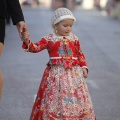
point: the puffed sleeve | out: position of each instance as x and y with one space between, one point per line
80 54
35 47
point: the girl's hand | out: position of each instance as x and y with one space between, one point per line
85 72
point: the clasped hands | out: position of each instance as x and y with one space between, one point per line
23 31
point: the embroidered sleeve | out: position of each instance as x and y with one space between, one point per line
80 54
35 47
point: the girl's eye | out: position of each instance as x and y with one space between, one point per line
67 25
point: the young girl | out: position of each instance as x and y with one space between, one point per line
63 93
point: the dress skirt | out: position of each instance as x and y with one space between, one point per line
63 95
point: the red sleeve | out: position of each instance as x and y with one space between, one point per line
35 47
80 54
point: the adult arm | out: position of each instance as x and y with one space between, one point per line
15 11
17 16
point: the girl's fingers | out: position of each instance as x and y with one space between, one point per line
85 74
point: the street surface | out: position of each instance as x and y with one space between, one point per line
100 41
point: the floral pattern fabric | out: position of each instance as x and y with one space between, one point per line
63 95
63 92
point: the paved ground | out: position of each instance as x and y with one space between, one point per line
22 72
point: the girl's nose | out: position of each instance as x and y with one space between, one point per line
69 28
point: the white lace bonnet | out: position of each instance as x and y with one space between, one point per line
61 14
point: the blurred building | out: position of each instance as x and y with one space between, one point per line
112 7
45 3
88 4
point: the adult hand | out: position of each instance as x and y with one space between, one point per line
1 47
22 27
25 36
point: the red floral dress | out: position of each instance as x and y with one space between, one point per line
63 92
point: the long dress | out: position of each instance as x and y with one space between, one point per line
63 93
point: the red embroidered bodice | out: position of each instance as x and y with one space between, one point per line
63 50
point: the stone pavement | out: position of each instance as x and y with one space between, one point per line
22 72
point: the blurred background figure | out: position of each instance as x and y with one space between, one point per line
113 8
54 4
97 4
79 2
70 4
31 3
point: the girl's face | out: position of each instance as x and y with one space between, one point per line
64 27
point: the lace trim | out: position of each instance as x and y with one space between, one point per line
52 37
